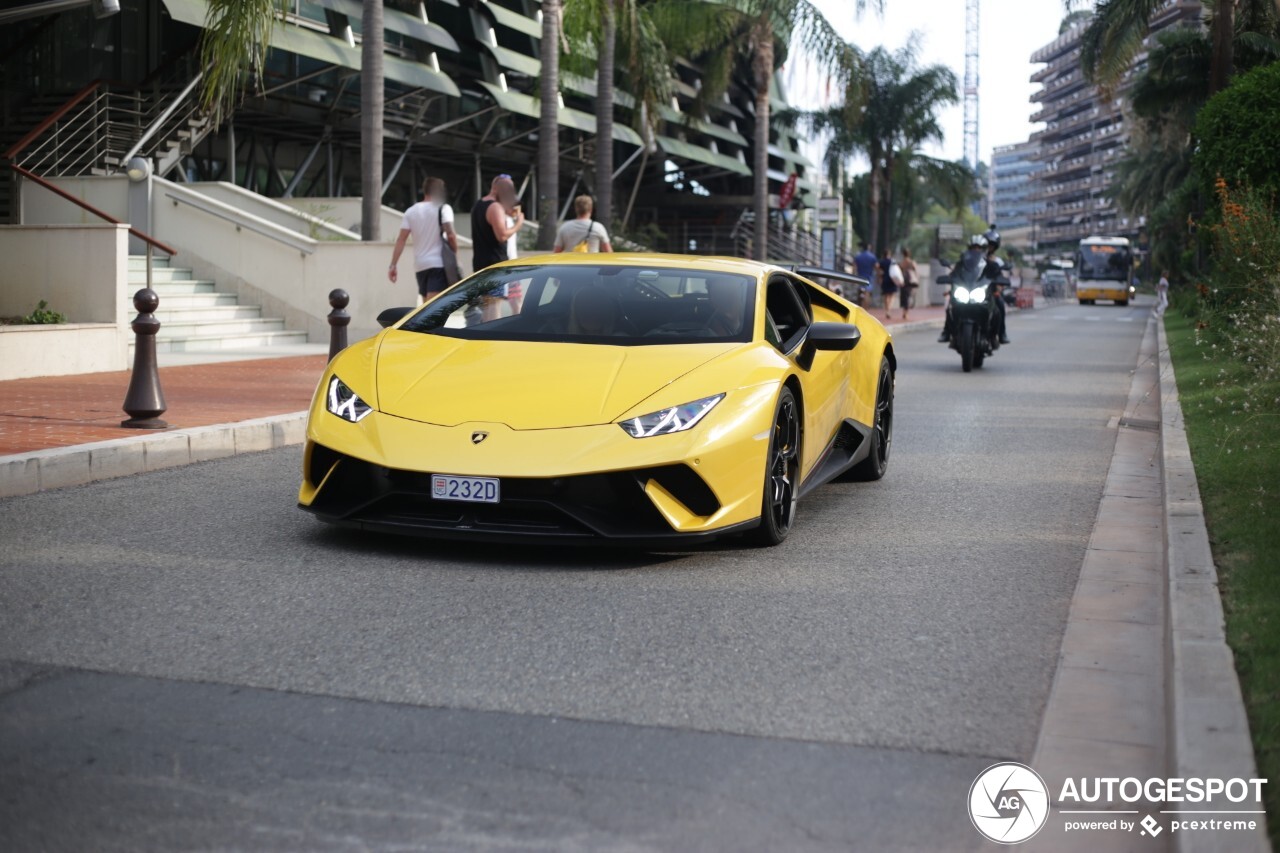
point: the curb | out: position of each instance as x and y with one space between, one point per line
1209 729
41 470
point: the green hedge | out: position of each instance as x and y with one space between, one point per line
1238 132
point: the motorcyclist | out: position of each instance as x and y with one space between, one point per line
975 257
993 238
997 291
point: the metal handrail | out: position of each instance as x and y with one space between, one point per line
239 219
158 123
146 238
17 147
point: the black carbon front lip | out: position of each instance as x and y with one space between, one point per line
590 508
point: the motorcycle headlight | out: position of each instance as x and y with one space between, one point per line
978 294
674 419
961 295
344 403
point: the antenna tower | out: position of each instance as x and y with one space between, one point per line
971 83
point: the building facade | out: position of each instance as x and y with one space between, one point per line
1012 198
1084 137
461 84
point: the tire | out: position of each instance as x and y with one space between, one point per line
781 473
877 461
966 345
1122 302
979 358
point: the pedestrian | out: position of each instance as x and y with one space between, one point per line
489 229
582 233
864 264
888 287
430 222
910 281
515 289
1162 293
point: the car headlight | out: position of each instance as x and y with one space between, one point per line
344 403
961 295
674 419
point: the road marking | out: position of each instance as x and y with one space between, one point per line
1094 319
1124 319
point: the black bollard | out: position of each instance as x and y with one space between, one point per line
144 402
338 320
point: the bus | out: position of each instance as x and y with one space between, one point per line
1104 266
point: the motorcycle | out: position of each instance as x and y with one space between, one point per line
974 331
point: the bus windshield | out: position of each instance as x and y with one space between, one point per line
1103 261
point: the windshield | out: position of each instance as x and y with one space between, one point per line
597 304
1104 262
971 267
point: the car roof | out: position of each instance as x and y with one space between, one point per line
708 263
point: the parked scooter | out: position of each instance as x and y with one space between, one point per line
972 310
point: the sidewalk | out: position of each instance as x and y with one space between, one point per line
62 411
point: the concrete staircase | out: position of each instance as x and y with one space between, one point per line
195 317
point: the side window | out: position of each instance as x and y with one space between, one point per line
549 290
786 313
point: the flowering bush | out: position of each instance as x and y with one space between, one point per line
1237 314
1239 305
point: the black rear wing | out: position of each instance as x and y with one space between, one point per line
819 272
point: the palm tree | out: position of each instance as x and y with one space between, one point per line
372 96
237 36
897 113
1119 28
747 32
648 36
548 211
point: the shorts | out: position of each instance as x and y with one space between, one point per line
431 281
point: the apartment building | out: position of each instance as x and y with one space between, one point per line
1084 136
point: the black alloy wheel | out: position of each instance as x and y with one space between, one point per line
782 473
877 461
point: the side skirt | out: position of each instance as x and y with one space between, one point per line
849 446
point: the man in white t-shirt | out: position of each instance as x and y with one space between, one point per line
430 221
582 229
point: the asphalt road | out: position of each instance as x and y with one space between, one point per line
187 661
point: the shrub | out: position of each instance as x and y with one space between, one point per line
1238 132
43 315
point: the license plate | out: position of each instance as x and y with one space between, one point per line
484 490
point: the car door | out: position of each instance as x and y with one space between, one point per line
825 382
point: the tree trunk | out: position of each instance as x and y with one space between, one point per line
1223 37
549 127
371 105
886 218
873 213
762 72
604 115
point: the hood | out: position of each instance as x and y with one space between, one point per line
525 385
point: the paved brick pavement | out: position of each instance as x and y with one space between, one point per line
59 411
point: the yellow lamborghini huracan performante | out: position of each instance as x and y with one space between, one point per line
657 400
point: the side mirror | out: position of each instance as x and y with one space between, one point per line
391 316
943 279
1002 281
832 337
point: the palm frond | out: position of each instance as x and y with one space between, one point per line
236 38
1114 38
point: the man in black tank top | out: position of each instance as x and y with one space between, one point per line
489 231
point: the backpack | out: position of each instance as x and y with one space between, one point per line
452 272
585 244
